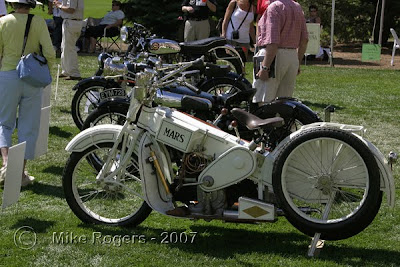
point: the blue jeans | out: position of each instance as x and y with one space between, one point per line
17 94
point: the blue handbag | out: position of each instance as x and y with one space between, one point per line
33 68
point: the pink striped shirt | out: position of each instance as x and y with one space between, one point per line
283 23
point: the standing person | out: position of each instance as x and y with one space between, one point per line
3 9
16 94
72 14
237 26
57 32
197 26
283 33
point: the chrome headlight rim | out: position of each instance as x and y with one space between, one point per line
124 34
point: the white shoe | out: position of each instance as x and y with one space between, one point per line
27 180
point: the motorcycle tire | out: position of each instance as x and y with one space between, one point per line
86 99
98 203
327 181
107 115
223 85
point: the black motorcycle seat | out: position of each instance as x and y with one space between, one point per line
253 122
201 46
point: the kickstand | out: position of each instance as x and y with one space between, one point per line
316 245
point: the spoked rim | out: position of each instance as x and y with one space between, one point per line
223 88
88 101
330 186
110 202
116 118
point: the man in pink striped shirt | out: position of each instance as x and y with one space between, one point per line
283 33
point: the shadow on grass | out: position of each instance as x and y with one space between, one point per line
47 190
56 170
224 243
40 226
54 130
65 111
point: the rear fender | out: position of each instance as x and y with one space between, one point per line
287 108
118 101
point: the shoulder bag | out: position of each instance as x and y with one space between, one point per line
33 68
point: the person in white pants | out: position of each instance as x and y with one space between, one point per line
72 14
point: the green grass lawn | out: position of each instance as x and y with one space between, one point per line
365 97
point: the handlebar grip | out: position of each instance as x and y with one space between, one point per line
193 88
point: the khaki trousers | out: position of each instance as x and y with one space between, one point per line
196 30
71 30
286 68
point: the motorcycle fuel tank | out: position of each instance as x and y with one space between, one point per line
163 46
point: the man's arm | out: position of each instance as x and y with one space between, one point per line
211 6
271 50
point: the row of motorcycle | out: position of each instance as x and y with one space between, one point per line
171 127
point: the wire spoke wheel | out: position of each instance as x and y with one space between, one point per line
327 181
116 200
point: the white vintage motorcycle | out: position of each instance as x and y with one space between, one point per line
325 178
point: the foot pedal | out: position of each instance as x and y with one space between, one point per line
254 209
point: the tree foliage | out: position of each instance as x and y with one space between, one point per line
354 19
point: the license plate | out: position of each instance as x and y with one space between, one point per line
115 92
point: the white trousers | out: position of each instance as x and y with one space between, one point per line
71 30
286 68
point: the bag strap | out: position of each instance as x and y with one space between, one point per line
243 18
28 26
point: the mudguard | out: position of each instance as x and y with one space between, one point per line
287 108
108 83
153 190
98 134
122 102
386 179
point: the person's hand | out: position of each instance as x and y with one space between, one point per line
190 9
108 26
57 4
263 75
223 35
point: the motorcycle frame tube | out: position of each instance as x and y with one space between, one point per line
386 177
230 48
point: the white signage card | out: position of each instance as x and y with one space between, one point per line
43 138
314 38
46 96
12 183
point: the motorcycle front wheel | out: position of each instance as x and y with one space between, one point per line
106 115
111 203
87 98
327 181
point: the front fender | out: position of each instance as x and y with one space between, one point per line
98 134
108 83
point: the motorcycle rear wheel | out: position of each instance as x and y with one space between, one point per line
109 204
327 181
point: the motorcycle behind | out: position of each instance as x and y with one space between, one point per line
325 177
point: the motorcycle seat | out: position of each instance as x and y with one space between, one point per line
201 46
195 103
253 122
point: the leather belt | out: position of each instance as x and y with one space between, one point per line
75 19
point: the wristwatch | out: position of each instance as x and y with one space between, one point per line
265 68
